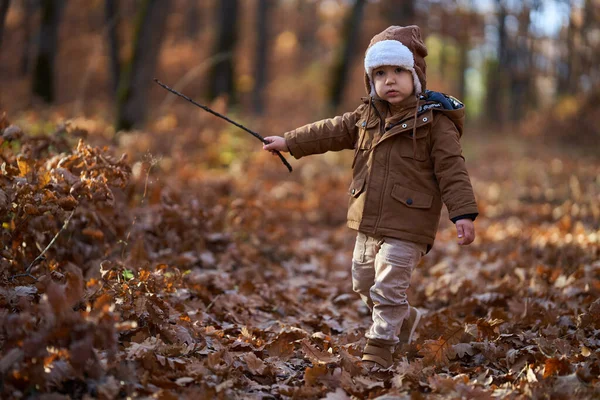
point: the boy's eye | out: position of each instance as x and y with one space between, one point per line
400 69
379 72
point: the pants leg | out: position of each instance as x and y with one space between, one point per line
394 263
363 266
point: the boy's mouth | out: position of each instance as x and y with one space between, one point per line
392 93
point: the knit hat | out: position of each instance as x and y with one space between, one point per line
401 46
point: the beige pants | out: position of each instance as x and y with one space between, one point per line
381 270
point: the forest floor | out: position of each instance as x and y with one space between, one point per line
200 268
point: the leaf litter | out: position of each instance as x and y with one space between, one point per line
228 287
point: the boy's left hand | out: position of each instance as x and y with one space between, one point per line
466 231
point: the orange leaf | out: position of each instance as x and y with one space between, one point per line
558 366
93 233
24 166
440 351
315 355
312 374
282 347
256 366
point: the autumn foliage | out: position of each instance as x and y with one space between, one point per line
169 283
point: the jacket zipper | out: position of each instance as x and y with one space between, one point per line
372 156
382 193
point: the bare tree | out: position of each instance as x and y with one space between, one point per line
3 11
590 32
496 71
43 74
111 17
221 73
29 9
305 29
345 53
137 74
192 19
521 65
565 66
399 12
260 65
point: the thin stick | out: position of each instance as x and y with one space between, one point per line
256 135
41 256
12 278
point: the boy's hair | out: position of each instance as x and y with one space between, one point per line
401 46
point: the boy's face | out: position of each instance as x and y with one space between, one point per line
393 83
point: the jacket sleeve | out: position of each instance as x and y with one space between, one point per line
450 169
333 134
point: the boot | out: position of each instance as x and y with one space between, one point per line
378 352
409 326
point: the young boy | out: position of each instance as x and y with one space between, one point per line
407 161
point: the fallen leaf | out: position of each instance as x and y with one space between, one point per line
316 355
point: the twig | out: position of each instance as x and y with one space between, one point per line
256 135
12 278
41 256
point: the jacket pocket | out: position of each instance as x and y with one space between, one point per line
356 188
365 134
406 145
411 198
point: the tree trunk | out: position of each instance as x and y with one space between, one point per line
192 19
589 55
29 10
346 51
306 28
137 75
3 11
399 12
260 66
495 74
464 44
43 73
520 68
565 69
221 73
111 17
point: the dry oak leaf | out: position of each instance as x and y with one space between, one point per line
315 355
463 348
560 366
282 347
312 374
256 366
440 351
4 201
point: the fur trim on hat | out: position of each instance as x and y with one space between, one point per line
390 52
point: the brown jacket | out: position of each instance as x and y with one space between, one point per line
398 183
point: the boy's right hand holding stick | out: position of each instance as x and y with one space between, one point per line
276 143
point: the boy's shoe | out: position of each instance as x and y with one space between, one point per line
378 352
409 326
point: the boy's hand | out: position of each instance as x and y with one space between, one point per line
275 143
466 231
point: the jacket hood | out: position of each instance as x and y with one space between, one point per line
448 105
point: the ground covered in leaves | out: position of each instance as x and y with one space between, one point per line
150 275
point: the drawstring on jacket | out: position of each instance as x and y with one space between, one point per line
360 139
414 132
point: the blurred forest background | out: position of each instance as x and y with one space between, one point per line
532 62
151 249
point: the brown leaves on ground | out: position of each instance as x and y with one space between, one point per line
172 282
